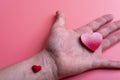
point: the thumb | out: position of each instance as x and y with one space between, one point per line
60 19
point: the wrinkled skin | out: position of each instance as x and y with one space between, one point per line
71 56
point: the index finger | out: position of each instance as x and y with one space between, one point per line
97 23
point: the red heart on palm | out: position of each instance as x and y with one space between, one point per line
91 41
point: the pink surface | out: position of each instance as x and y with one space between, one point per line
25 24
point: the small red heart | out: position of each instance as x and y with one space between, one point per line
91 41
36 68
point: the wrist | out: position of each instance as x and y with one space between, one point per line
23 70
49 68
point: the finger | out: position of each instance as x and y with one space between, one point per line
110 64
108 42
109 28
60 19
96 24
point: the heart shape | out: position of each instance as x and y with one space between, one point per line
36 68
91 40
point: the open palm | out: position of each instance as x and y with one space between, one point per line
71 56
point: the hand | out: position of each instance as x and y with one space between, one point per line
73 58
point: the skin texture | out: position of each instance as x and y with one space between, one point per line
71 56
23 70
64 55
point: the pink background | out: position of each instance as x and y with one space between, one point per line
25 24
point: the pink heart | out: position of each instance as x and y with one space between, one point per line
91 41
